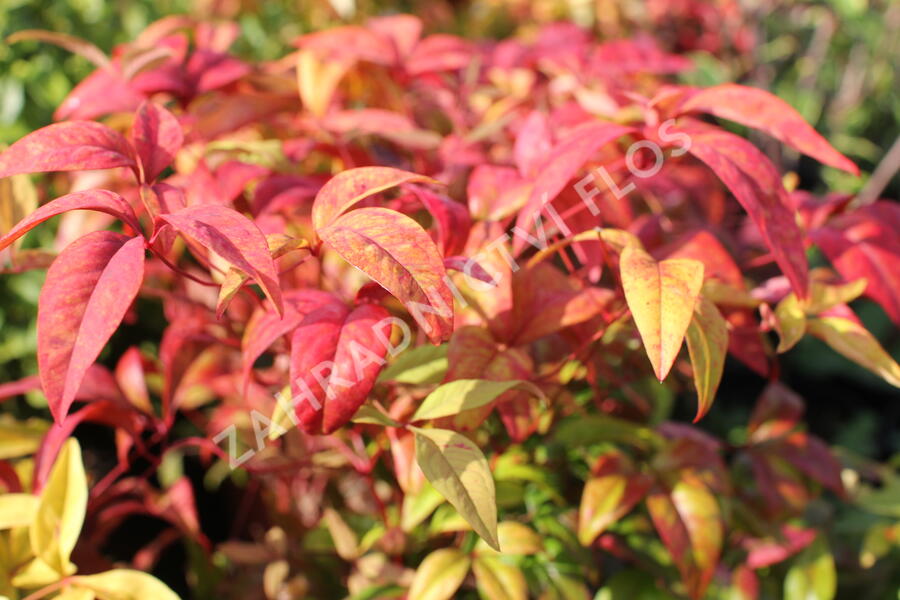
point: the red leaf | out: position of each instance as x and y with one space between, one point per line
761 110
569 155
266 326
451 217
102 92
235 238
397 253
866 244
336 355
68 146
350 187
755 183
89 287
157 137
99 200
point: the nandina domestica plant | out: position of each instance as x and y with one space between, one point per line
425 301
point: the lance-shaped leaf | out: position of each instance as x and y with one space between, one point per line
849 338
67 146
266 325
707 342
569 155
755 183
465 394
866 247
88 290
790 322
235 238
459 471
439 575
661 296
761 110
499 580
60 514
157 137
420 365
813 576
608 495
350 187
124 584
400 256
99 200
336 354
689 523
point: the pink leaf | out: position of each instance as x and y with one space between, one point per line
99 200
157 136
235 238
67 146
89 287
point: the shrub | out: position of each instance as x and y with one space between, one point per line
447 271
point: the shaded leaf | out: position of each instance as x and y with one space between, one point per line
707 342
157 137
235 238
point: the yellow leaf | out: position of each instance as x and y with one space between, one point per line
850 339
459 471
515 538
317 79
466 394
661 296
707 342
18 199
125 584
344 538
36 573
823 296
20 438
497 580
17 510
439 575
76 593
600 502
60 513
790 322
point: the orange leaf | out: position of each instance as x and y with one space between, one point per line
661 296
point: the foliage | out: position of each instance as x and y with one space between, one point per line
424 303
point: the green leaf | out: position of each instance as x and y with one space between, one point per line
60 513
465 394
584 430
813 576
707 342
418 366
369 415
460 472
439 575
416 507
125 584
